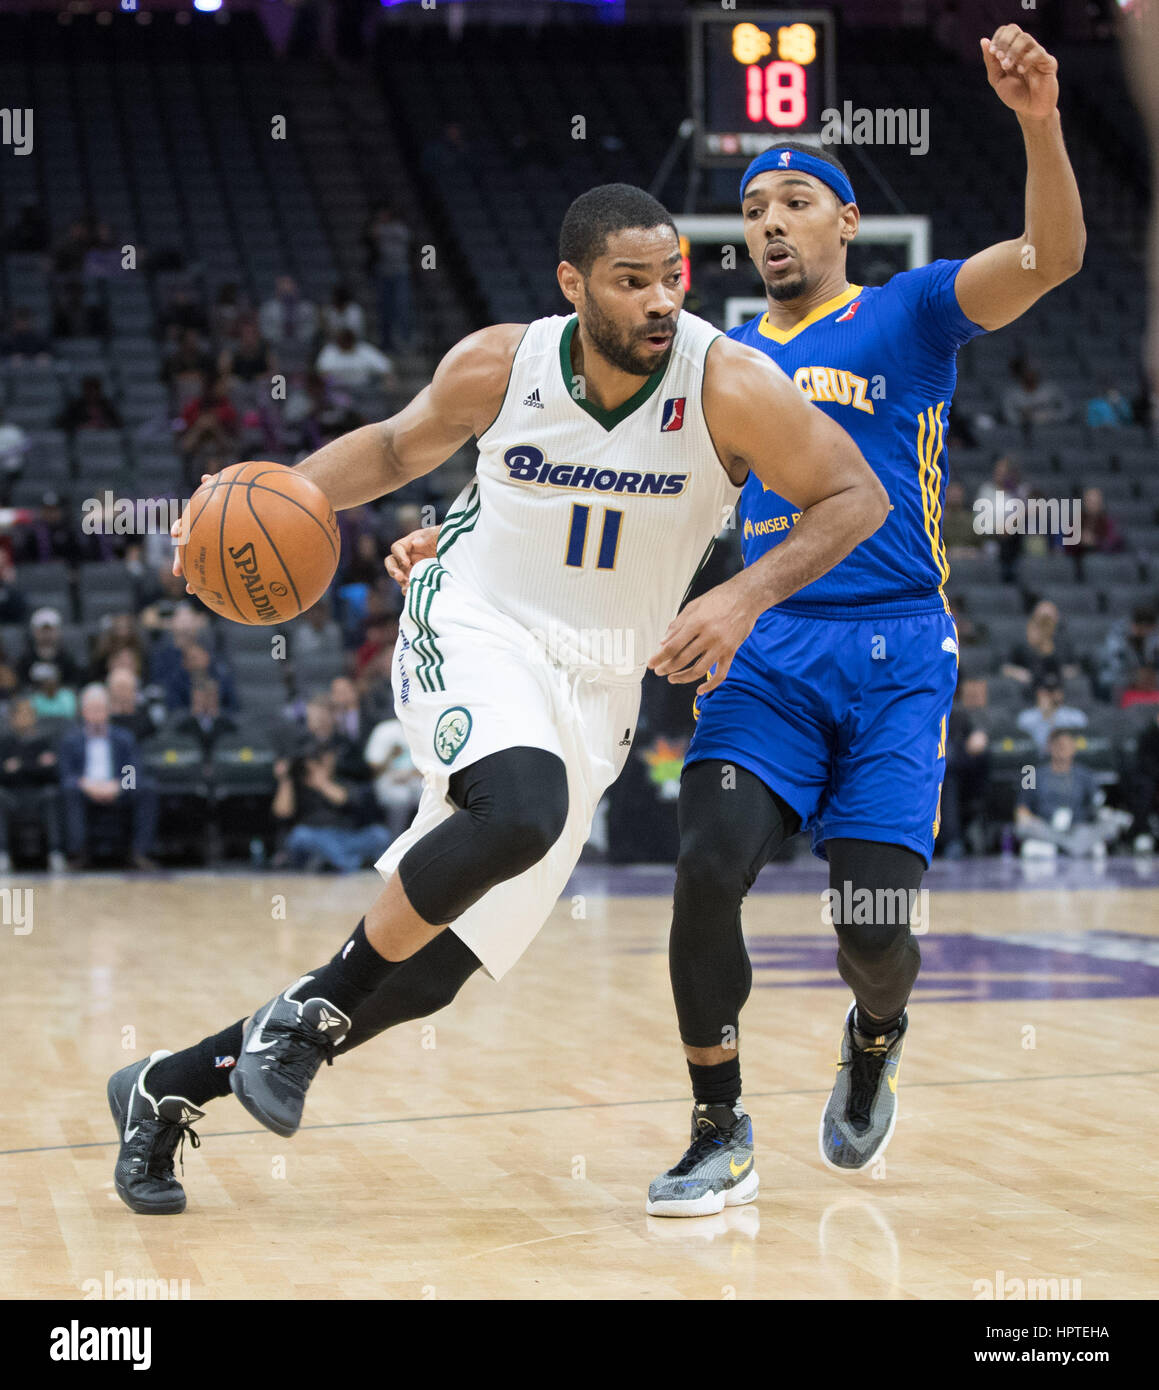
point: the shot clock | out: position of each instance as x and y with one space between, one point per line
758 77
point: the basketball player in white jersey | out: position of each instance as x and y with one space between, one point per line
612 444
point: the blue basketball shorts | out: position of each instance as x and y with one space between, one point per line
842 712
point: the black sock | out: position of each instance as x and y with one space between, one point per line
199 1073
352 976
718 1085
870 1027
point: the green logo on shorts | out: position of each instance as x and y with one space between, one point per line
451 732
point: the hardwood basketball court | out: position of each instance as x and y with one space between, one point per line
504 1148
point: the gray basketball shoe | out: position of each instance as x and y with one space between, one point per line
862 1108
716 1171
283 1046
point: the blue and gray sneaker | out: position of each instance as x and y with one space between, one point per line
283 1046
862 1108
717 1170
150 1132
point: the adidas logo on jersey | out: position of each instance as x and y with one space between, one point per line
533 399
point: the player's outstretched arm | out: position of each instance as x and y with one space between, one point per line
462 399
1000 283
761 422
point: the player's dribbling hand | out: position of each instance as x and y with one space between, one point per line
705 634
175 533
1021 71
407 552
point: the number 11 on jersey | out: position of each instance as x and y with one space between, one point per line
577 537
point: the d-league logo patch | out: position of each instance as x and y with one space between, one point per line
673 417
451 732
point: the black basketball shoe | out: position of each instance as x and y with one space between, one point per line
283 1047
150 1131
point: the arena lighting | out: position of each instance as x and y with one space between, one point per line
207 6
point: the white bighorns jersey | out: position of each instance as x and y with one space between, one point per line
584 525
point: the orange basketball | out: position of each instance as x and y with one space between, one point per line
261 544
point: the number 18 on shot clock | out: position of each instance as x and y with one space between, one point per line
758 77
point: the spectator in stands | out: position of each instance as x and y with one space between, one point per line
1048 712
343 311
375 693
353 365
316 631
205 720
1130 643
117 632
1143 690
381 635
13 604
156 595
127 709
46 643
966 786
1109 408
184 313
211 426
1058 810
51 536
398 784
183 654
103 257
24 343
1142 788
96 760
333 820
958 530
186 365
1005 483
78 312
50 698
387 240
229 306
29 778
1099 533
68 255
1029 400
1044 651
29 233
367 563
289 323
351 719
9 676
318 411
91 410
14 445
248 358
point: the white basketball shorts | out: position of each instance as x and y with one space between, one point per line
469 681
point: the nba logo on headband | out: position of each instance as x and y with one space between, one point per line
786 155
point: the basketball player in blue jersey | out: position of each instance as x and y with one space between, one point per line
832 715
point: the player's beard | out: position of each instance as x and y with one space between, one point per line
781 290
618 347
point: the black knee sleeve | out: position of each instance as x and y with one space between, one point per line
730 824
422 985
512 808
872 891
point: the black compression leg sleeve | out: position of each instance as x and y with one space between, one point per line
878 955
512 808
421 985
730 824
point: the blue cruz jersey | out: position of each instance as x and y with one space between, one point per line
882 362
